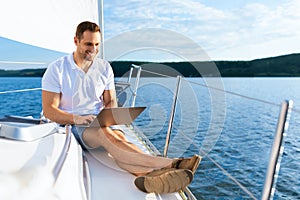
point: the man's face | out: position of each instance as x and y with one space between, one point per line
88 46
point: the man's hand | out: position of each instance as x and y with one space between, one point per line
87 119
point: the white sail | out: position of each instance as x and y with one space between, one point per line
48 24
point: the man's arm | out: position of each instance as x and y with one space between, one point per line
50 103
109 98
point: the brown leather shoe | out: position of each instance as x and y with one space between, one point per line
191 163
164 180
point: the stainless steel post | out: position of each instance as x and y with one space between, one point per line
277 151
136 83
172 116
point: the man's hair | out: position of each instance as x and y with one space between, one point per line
86 26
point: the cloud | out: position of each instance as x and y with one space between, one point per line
248 31
261 31
153 44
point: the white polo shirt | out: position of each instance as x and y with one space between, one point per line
81 93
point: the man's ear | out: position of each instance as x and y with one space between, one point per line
76 40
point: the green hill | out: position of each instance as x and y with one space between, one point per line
280 66
22 73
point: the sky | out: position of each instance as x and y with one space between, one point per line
224 29
176 30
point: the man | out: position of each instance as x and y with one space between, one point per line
77 86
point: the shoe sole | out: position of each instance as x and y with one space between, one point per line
196 164
191 164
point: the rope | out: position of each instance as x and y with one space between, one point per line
192 142
22 62
23 90
220 167
200 150
234 93
225 91
242 96
156 73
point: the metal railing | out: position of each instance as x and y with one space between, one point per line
136 85
171 121
278 143
277 148
277 151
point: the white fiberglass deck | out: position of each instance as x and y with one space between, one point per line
26 169
111 182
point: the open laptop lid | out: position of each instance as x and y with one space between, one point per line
116 116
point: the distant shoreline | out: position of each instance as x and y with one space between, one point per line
280 66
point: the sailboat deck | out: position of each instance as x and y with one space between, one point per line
109 181
26 168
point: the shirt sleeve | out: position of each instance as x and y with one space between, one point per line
110 78
50 80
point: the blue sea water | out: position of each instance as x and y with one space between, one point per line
20 103
232 131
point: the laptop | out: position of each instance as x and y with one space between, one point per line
115 116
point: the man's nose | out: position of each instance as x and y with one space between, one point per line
95 47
